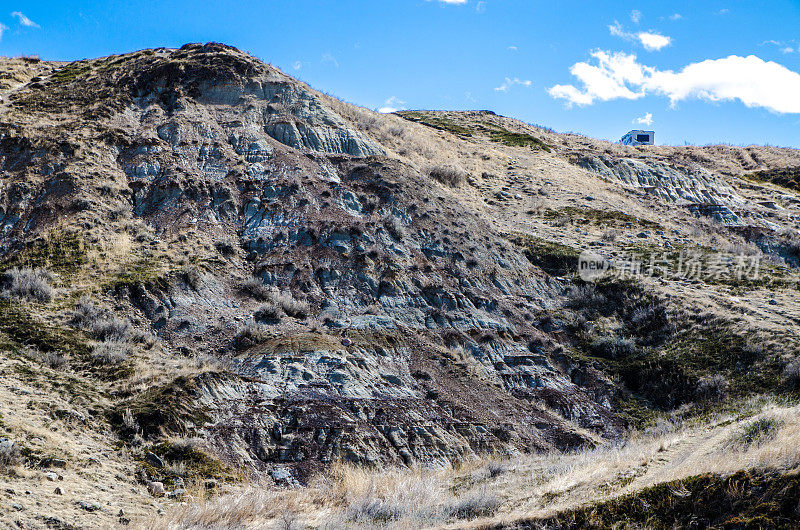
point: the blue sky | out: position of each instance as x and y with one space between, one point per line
705 72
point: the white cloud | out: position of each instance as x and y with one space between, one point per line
616 30
607 80
785 47
675 16
508 83
480 7
647 119
651 40
297 65
636 16
392 104
3 29
751 80
453 1
329 58
25 21
513 48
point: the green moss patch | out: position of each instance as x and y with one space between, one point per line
23 329
515 139
552 257
142 271
72 71
165 410
187 462
786 177
434 121
59 251
610 218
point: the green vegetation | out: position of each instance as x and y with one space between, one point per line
495 132
23 329
185 460
757 432
601 217
665 361
787 177
554 258
436 122
144 270
168 409
744 500
513 139
72 71
59 251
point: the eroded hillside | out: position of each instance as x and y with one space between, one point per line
215 274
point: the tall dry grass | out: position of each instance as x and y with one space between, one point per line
491 491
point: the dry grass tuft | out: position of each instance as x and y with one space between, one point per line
451 176
27 284
10 456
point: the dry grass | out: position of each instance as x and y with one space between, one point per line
451 176
494 491
27 284
9 456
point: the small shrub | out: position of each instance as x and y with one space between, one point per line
613 347
9 455
374 509
129 422
27 284
477 504
250 335
86 314
104 326
495 469
756 432
792 374
225 248
609 235
586 297
395 228
192 277
712 387
111 352
256 288
54 360
294 308
448 175
111 328
268 313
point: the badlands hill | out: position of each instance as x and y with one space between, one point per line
215 276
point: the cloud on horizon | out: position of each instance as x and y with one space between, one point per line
618 75
392 104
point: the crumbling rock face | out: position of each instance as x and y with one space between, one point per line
674 183
212 170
